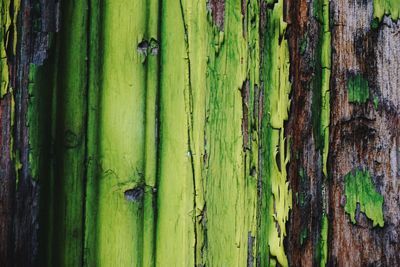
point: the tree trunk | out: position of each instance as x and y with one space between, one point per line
199 133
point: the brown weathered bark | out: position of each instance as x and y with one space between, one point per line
305 168
362 136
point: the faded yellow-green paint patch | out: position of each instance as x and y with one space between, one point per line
386 7
277 87
359 189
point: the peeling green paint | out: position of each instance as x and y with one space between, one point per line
325 92
277 90
252 156
8 43
232 73
9 11
202 79
8 17
321 95
201 88
386 7
357 89
321 111
360 189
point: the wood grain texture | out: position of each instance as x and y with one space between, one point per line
362 136
199 133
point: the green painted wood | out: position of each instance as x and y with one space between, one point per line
70 130
158 131
276 148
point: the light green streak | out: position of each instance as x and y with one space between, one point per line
325 121
326 75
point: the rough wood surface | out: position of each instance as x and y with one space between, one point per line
199 133
364 136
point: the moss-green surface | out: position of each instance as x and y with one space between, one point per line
387 7
357 89
359 189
